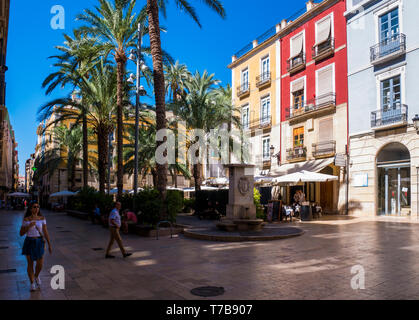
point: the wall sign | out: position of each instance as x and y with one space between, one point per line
360 180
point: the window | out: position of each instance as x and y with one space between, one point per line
265 110
245 117
391 93
389 26
326 130
265 68
297 96
298 137
266 143
324 30
325 85
245 79
297 50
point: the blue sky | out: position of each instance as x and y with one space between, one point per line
31 41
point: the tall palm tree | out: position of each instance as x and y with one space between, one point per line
153 7
176 76
79 54
197 107
99 101
115 24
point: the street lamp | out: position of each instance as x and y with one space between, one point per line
416 122
140 91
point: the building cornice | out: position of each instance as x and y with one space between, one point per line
314 11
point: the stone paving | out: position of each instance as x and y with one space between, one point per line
316 265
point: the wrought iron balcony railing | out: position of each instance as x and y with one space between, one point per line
297 154
263 79
323 50
260 123
390 115
324 148
388 49
311 105
296 63
243 89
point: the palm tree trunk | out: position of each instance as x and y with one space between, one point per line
85 153
120 62
159 89
197 168
102 146
154 175
73 175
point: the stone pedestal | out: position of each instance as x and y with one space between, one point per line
241 210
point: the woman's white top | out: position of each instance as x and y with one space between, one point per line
33 232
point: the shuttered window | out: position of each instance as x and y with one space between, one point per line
326 130
298 85
325 81
324 30
297 45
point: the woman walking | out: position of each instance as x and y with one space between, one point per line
35 227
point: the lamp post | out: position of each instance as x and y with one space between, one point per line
136 55
416 122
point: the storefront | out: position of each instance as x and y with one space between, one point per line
393 176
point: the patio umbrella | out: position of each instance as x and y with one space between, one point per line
217 181
19 195
64 193
132 191
304 176
260 180
115 191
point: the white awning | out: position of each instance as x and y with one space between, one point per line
64 193
303 176
312 165
297 45
323 30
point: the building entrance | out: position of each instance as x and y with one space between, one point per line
393 169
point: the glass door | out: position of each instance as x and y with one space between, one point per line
391 99
389 32
265 69
393 190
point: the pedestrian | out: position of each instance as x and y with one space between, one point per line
128 217
34 244
114 226
96 214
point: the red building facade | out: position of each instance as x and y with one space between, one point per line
314 97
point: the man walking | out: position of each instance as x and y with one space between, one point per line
114 226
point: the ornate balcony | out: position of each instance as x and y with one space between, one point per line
310 108
262 123
324 149
323 50
297 154
263 80
243 89
296 63
388 49
389 117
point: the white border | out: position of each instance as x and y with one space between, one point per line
387 75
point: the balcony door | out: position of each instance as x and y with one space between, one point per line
265 68
389 32
391 98
265 110
245 80
298 137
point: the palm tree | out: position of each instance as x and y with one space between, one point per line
153 7
146 152
115 24
176 76
99 102
79 54
197 107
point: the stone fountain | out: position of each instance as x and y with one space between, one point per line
241 210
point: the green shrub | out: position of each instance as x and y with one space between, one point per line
86 199
188 205
174 204
260 212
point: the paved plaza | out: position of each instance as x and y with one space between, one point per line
316 265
